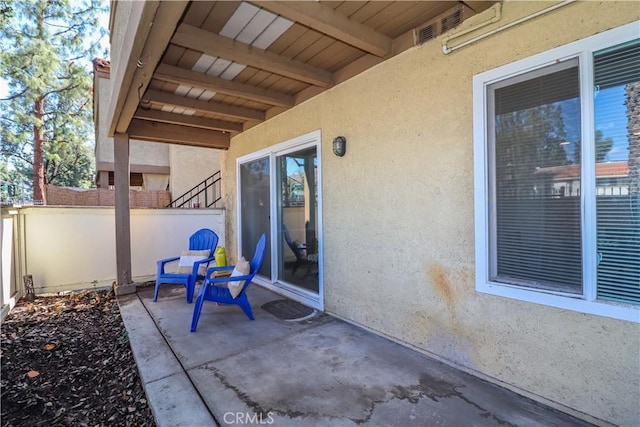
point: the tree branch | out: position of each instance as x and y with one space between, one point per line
64 89
17 95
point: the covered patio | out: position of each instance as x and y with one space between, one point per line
199 73
399 230
316 371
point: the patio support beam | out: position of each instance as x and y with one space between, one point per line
156 25
182 76
334 24
183 119
170 99
191 37
123 222
182 135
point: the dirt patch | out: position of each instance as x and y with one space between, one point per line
66 360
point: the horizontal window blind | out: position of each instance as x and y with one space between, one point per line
538 91
619 250
617 121
537 214
616 67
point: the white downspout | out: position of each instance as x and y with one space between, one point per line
498 15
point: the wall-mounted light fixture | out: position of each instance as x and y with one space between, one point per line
339 146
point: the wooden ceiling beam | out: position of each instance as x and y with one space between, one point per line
182 76
191 37
323 19
175 134
170 99
183 119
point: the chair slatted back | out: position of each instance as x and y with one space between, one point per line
258 255
203 239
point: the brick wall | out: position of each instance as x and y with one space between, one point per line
66 196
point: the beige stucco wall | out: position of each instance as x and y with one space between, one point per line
140 152
190 166
409 166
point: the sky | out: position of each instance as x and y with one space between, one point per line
611 119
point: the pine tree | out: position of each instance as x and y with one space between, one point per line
46 47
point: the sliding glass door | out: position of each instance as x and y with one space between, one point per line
298 214
279 194
255 204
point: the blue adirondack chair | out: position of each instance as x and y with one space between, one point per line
220 294
203 239
298 250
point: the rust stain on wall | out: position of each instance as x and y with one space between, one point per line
441 284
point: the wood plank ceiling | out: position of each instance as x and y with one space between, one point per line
229 65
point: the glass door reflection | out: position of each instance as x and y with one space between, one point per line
255 206
298 218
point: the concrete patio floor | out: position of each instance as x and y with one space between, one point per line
315 372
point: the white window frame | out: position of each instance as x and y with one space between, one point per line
583 50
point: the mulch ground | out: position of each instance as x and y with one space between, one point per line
66 360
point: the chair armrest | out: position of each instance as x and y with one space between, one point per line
221 268
227 279
166 260
196 265
206 260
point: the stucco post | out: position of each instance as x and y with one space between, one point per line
103 179
124 284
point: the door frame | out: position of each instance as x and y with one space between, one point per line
288 290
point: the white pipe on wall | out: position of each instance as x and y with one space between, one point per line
447 49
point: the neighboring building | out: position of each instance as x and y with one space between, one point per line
612 179
153 166
426 230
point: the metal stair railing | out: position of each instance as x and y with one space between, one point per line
206 194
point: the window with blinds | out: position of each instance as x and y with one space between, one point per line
557 176
617 156
535 182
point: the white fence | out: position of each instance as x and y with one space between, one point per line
74 247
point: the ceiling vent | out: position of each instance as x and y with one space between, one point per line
425 33
437 26
451 21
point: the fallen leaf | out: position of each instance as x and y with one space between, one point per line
49 346
33 374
